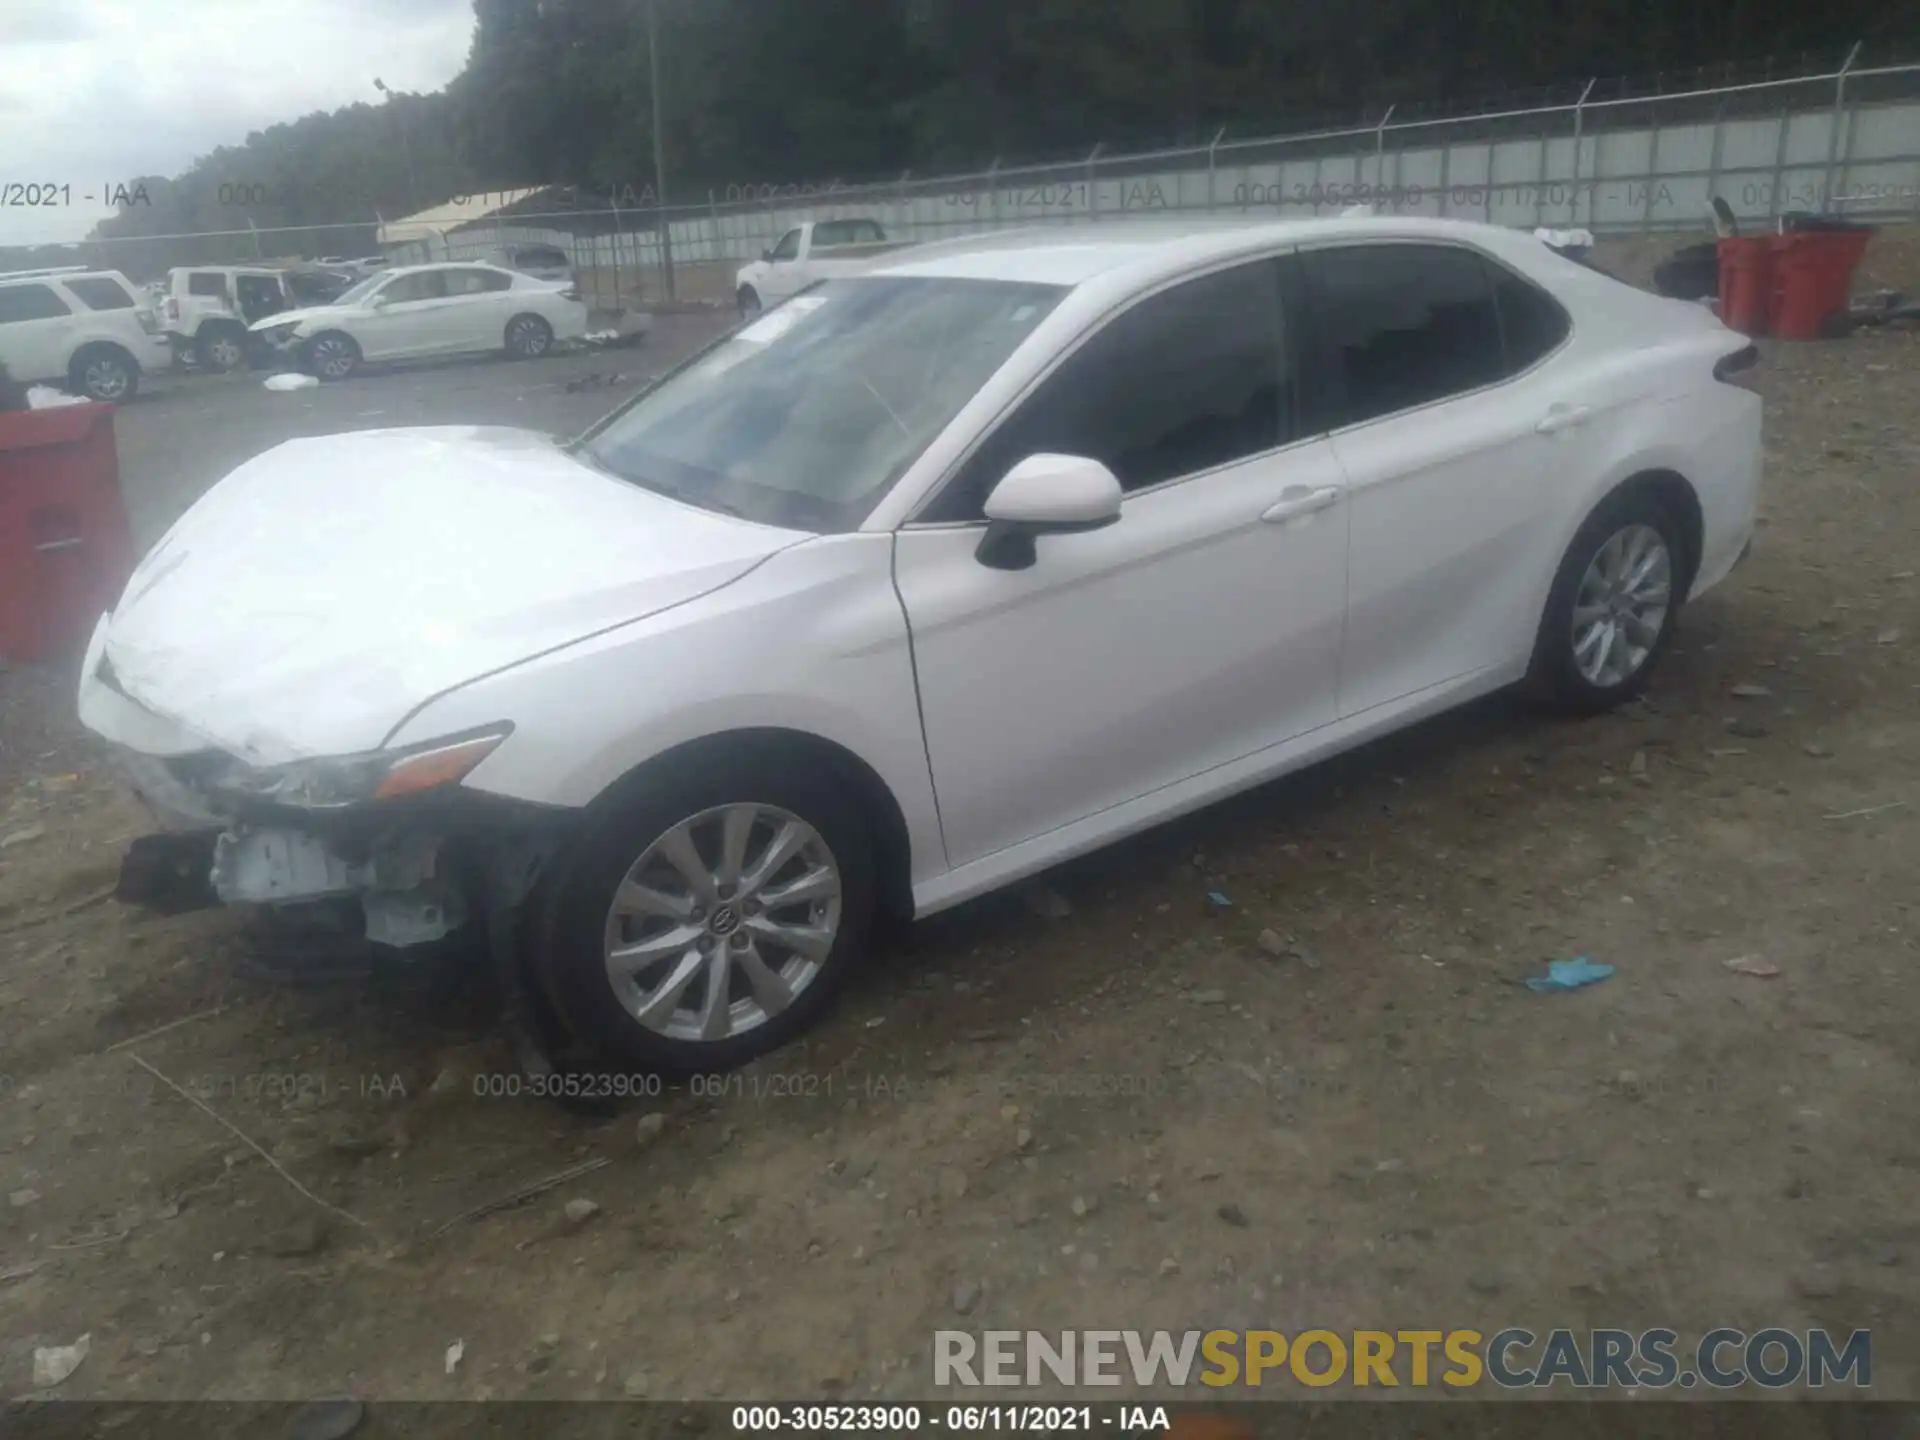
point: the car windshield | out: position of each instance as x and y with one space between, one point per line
806 417
365 288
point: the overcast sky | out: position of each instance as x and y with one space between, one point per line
96 92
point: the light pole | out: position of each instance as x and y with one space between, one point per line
406 147
659 150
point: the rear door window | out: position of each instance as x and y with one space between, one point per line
101 292
1399 326
476 282
420 285
1532 324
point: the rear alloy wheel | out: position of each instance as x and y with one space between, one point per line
105 373
1613 606
701 929
528 337
220 347
333 356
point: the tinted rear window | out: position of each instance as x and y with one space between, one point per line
207 283
98 292
1404 325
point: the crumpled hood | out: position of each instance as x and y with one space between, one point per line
312 599
303 314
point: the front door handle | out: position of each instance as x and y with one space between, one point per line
1298 500
1563 417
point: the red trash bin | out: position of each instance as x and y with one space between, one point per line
1812 276
1746 286
65 548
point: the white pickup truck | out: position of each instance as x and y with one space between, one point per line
813 251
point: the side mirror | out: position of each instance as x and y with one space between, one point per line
1045 495
766 257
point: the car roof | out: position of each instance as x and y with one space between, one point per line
1143 250
63 278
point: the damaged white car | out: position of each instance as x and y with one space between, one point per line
922 582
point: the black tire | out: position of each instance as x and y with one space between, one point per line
104 373
331 355
528 337
565 935
1557 676
220 347
749 302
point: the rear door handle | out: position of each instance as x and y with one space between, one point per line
1298 500
1563 417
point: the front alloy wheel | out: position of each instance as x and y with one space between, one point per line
333 357
106 377
707 914
723 922
1620 609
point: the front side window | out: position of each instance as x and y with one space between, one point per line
789 246
98 292
1186 380
807 417
1403 325
355 295
29 302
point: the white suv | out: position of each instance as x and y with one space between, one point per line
84 329
208 308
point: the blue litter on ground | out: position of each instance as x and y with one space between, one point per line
1218 901
1569 975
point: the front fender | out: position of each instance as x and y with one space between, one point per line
814 640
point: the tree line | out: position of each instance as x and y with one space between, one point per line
768 92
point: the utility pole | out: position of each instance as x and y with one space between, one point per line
406 145
659 150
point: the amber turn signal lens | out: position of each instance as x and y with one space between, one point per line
430 769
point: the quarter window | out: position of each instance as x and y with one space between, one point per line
207 283
1186 380
1403 325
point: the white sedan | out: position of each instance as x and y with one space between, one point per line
426 310
920 583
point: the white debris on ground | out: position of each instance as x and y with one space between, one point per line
45 397
288 380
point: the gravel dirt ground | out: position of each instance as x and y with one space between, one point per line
1141 1112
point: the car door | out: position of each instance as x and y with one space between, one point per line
405 317
1203 626
783 274
1450 460
478 304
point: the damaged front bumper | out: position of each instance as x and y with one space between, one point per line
419 869
420 862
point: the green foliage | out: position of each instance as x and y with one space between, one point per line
775 91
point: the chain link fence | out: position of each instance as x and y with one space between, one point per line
1610 158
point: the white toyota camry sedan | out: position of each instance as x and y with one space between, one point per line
417 311
922 582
